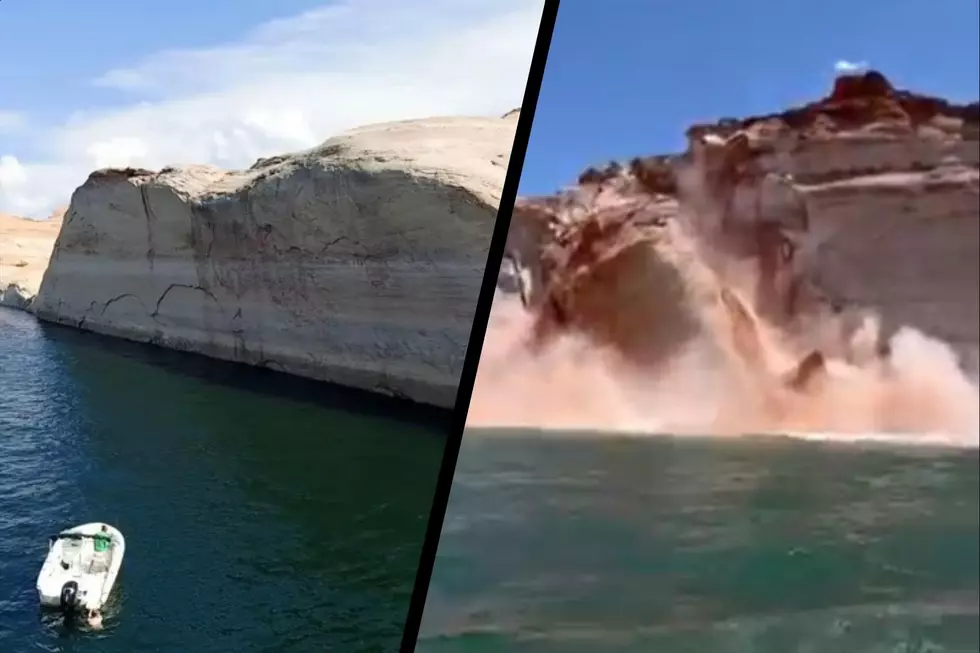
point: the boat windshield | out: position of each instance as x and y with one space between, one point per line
79 536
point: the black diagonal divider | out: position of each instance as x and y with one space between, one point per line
479 330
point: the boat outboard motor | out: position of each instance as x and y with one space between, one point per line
69 594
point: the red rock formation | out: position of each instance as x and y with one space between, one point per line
865 198
856 102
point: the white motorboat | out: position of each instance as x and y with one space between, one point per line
81 568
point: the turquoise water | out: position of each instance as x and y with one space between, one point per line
262 513
657 545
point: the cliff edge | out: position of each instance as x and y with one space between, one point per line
792 244
357 262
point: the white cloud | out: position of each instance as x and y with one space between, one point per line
11 172
845 66
11 121
288 85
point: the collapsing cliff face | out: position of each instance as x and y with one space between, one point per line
357 262
814 270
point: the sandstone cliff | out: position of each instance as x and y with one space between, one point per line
809 235
357 262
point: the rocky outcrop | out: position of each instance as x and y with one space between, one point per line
865 199
357 262
14 296
805 271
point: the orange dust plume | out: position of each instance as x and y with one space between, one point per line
812 271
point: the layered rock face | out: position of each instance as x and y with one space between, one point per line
357 262
865 199
815 270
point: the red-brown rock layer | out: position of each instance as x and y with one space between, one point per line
864 200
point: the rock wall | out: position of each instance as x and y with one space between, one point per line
357 262
868 198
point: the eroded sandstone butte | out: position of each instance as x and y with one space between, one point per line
357 262
865 199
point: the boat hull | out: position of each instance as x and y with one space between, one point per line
75 577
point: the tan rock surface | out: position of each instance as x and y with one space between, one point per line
357 262
25 247
772 240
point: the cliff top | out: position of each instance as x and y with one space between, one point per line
466 151
856 101
860 105
388 135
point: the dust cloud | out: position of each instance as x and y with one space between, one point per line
689 348
575 384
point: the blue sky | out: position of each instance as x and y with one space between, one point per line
68 43
626 77
97 83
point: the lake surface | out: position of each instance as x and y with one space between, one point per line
262 512
578 543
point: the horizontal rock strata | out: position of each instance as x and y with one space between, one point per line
867 198
357 262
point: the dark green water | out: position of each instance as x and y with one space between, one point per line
261 513
660 545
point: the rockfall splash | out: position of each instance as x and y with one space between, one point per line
357 262
812 270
